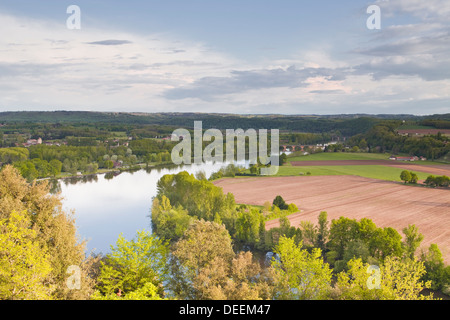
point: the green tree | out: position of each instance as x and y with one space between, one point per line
249 224
436 272
309 234
388 242
322 231
396 279
412 240
283 158
342 232
203 244
56 166
414 178
405 176
54 227
169 223
24 264
280 203
298 274
134 269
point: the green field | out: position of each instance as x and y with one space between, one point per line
369 171
340 156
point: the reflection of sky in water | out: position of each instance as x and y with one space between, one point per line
105 208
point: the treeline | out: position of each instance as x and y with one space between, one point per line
84 155
438 124
437 181
346 125
384 138
308 138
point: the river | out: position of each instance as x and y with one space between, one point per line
107 205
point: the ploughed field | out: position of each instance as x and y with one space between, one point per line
387 204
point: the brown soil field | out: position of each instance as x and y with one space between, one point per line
387 204
412 166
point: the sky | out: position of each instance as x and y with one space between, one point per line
228 56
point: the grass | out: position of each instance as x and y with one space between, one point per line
367 171
322 156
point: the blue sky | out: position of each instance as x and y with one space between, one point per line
290 57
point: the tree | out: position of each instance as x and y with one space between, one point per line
342 231
283 158
396 279
405 176
204 243
169 223
254 169
134 269
414 178
412 240
56 166
323 231
436 272
309 233
201 175
109 164
55 230
240 278
387 242
298 274
280 203
24 265
249 225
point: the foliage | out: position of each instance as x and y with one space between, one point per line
55 230
24 265
298 274
397 280
412 240
168 222
280 203
436 271
380 242
437 181
134 269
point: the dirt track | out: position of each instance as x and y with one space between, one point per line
412 166
388 204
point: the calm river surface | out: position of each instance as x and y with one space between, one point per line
106 206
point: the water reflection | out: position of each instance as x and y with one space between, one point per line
108 204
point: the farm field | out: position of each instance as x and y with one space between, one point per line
378 166
388 204
340 156
368 171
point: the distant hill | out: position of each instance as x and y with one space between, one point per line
346 124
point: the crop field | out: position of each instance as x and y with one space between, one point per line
368 171
388 204
340 156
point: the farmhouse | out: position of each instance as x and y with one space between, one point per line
414 158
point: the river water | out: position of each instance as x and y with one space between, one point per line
107 205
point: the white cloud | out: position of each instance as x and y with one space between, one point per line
43 65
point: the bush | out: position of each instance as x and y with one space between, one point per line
280 203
